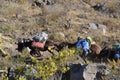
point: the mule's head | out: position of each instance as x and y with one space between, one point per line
20 45
23 43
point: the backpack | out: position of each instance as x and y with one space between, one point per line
42 37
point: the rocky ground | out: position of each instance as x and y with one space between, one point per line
63 20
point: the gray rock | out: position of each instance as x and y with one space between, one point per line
95 71
92 26
88 72
101 29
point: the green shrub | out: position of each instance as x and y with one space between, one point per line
47 67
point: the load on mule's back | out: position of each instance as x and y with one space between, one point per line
37 43
39 40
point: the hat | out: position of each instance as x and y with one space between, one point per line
90 39
79 38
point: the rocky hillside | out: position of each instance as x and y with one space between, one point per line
63 20
97 18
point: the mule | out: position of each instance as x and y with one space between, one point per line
108 53
98 54
102 54
95 50
24 43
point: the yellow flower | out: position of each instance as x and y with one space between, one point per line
51 74
52 63
61 54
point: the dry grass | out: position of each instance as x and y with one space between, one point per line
114 66
57 36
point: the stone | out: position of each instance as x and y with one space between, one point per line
95 71
92 26
101 29
88 72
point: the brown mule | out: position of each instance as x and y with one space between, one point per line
24 43
95 49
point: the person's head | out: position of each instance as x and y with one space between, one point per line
89 39
79 38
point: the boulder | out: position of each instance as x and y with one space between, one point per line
95 71
101 29
88 72
76 72
92 26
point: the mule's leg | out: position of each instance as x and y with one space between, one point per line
32 52
37 52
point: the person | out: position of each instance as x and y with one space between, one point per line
90 40
94 47
117 56
84 45
116 47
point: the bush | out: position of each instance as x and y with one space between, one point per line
47 67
